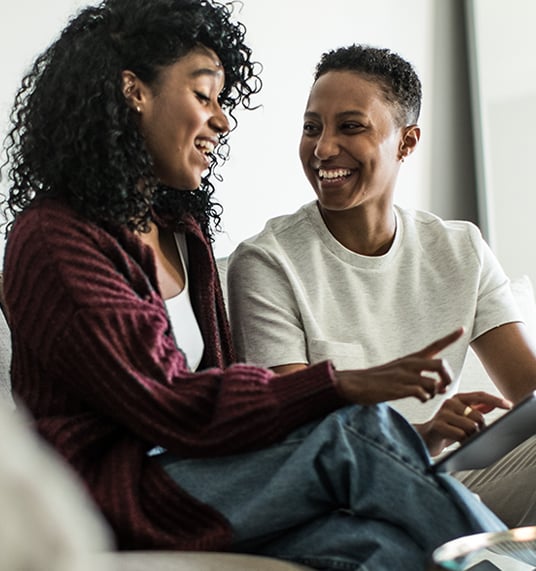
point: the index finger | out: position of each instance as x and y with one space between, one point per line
440 344
484 402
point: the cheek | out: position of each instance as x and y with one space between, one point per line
157 135
305 151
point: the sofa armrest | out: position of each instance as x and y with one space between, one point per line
191 561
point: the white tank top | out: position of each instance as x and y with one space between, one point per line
185 327
183 320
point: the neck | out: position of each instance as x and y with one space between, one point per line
362 231
169 270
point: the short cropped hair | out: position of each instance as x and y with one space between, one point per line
397 78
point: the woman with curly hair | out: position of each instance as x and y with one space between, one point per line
121 347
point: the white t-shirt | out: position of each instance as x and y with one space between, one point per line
296 295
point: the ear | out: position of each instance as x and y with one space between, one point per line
133 90
408 141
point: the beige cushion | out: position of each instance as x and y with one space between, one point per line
47 521
191 561
5 360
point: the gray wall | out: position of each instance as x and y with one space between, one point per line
503 45
452 172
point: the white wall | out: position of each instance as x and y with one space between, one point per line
25 30
263 177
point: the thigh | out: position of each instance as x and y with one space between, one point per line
342 541
367 460
508 487
242 486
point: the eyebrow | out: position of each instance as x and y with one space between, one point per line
342 115
206 71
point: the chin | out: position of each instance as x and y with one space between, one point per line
182 176
191 183
336 205
181 183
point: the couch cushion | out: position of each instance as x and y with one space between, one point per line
5 362
47 520
191 561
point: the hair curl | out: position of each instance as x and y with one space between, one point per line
73 134
399 82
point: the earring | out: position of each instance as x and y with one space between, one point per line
138 109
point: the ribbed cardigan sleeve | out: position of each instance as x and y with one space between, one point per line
95 361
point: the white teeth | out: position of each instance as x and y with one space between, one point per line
205 146
334 173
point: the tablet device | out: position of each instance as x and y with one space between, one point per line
494 440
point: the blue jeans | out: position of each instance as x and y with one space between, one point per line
352 491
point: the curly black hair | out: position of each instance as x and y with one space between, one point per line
74 136
399 82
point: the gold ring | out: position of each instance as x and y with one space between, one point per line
468 410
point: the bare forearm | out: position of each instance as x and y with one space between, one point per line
509 355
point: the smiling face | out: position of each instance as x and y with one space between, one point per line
351 146
180 116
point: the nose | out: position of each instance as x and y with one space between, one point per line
326 146
219 121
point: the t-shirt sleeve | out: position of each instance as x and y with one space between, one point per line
496 304
264 314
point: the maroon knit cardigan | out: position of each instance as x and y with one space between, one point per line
95 362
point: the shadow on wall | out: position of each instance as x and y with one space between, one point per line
452 171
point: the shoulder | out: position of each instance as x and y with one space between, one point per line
52 227
281 233
435 232
47 221
51 244
41 236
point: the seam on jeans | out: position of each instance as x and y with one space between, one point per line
399 459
